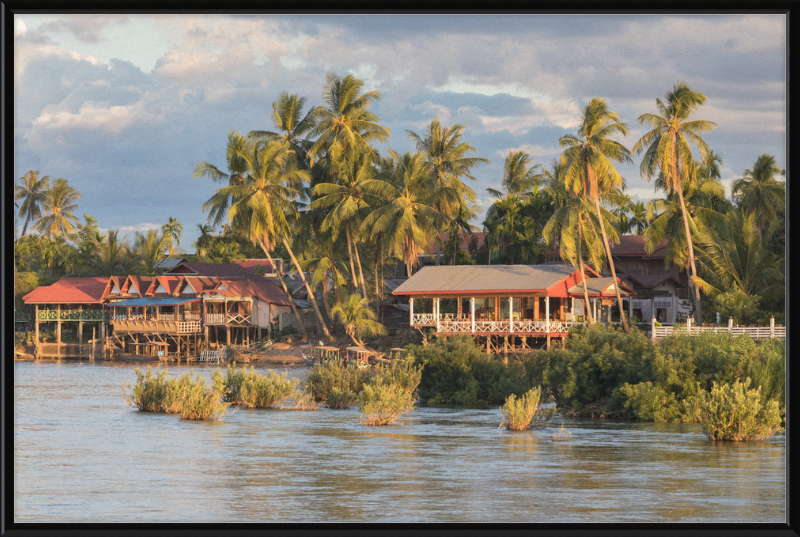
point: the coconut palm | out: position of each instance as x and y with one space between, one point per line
460 222
733 256
223 252
447 163
358 319
204 240
759 191
32 192
409 218
148 250
588 170
292 126
520 174
350 199
60 200
172 234
262 198
667 149
345 121
112 256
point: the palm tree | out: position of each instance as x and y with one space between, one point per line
519 174
204 240
447 164
172 233
148 250
759 191
262 198
292 125
358 319
60 200
345 121
32 192
53 251
222 252
357 191
588 170
112 256
459 223
733 256
666 148
409 218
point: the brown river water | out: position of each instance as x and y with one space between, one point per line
81 454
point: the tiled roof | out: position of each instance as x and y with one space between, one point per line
515 278
629 246
219 270
69 291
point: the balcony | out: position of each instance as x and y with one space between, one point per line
451 324
72 315
160 326
236 319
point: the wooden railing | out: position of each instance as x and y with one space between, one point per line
755 332
461 326
215 318
72 315
237 318
212 356
160 326
423 319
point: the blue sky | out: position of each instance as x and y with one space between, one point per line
124 106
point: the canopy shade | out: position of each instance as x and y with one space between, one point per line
153 302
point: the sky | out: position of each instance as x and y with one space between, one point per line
125 106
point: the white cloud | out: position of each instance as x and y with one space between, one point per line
19 27
93 117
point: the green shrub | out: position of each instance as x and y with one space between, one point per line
389 394
181 395
340 398
457 371
648 402
732 412
518 413
201 402
329 376
249 388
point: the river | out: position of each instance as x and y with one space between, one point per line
81 454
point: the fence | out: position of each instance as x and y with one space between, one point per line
755 332
212 356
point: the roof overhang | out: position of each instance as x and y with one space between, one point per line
154 301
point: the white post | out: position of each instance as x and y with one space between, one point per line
772 327
675 309
594 305
472 312
689 326
572 311
436 309
653 328
510 314
410 312
608 315
730 324
547 314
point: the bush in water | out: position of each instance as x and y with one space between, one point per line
329 376
182 395
340 398
249 388
732 412
201 402
389 394
519 412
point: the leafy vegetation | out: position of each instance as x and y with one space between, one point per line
389 393
251 389
191 398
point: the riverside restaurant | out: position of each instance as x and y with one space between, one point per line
507 307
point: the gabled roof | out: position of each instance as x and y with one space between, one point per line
629 246
219 270
652 280
262 288
251 264
600 287
484 278
69 291
169 262
169 283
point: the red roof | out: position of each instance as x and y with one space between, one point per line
253 263
219 270
629 246
262 288
69 291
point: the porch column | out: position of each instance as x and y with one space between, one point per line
572 310
80 332
58 329
436 312
547 317
410 312
472 312
511 314
630 309
206 327
675 309
608 315
36 324
536 308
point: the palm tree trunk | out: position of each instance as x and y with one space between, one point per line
611 264
354 278
325 303
378 286
320 321
337 289
285 289
586 309
698 306
360 270
25 227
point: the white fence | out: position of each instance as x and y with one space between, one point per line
212 356
755 332
447 325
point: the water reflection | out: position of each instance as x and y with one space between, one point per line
82 454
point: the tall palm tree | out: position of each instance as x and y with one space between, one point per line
460 222
292 126
148 250
409 218
263 199
588 170
60 200
204 240
112 256
32 192
172 233
520 174
758 190
345 121
347 201
358 319
667 149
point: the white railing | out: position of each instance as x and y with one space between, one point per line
755 332
188 327
212 356
494 327
235 318
215 318
529 326
491 326
424 319
166 317
455 326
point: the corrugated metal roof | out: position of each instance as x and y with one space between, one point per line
69 291
518 278
154 301
169 262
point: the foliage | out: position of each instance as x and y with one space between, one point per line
251 389
358 319
734 303
340 398
732 412
518 413
457 371
389 393
329 377
201 402
190 398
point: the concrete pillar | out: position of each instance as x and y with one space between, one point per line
436 312
772 327
411 312
675 310
730 324
511 314
58 330
572 310
472 312
547 319
630 309
653 328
